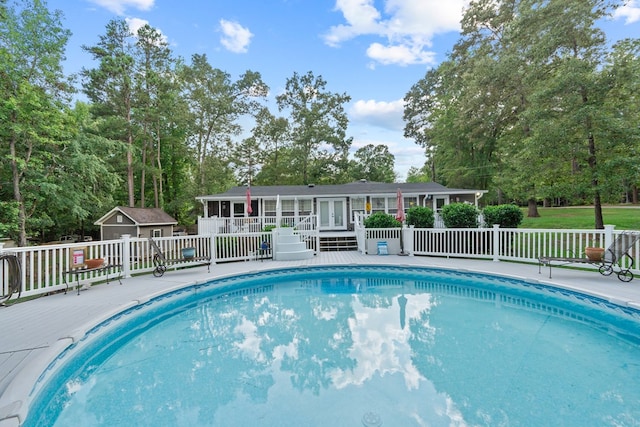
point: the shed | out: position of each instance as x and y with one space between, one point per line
137 222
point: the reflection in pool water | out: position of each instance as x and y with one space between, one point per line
354 346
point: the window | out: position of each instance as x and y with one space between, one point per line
392 205
238 210
357 205
119 219
156 232
378 204
410 202
288 208
269 208
304 207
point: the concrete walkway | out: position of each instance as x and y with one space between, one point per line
36 331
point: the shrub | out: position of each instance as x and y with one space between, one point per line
381 220
420 217
508 216
460 215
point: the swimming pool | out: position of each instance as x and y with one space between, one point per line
353 346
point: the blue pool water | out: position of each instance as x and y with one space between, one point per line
353 346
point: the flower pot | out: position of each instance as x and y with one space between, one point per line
594 254
94 263
188 253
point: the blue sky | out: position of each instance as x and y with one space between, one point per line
374 50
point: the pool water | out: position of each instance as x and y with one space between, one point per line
353 346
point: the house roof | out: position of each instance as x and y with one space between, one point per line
141 216
354 188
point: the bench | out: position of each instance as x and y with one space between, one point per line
106 268
161 262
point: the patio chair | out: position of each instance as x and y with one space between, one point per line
14 272
161 262
612 259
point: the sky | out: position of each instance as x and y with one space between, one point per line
372 50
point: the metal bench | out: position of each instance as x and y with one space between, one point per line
161 262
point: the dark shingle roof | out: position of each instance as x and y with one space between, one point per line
353 188
146 216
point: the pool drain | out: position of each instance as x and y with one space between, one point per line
371 419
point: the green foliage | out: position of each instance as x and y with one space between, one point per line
460 215
373 163
317 119
420 217
381 220
9 219
507 216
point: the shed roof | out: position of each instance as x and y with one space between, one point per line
141 216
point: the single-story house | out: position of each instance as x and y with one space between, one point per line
335 205
137 222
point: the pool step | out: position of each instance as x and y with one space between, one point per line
289 246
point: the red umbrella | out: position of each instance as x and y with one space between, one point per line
400 214
249 209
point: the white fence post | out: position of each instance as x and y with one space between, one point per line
213 247
608 235
496 242
408 239
126 255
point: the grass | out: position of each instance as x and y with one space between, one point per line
624 218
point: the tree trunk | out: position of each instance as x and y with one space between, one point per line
597 207
533 209
17 194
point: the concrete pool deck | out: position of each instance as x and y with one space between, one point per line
34 332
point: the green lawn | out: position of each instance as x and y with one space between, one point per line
624 218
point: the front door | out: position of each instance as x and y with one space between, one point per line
333 214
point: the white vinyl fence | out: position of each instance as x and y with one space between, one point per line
45 268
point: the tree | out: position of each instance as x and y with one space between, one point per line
110 89
247 158
622 71
317 120
373 163
33 92
155 85
418 175
519 103
216 103
272 134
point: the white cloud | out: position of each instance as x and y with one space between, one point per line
408 26
136 23
630 12
119 6
235 37
387 115
402 54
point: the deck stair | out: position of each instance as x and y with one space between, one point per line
290 247
338 241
